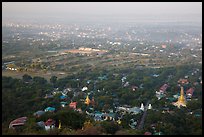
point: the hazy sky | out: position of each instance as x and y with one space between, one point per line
83 10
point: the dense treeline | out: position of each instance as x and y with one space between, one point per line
20 98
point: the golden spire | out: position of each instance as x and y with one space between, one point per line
87 101
181 100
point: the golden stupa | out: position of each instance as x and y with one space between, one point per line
181 100
87 101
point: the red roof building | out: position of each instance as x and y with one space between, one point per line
147 133
189 92
163 46
183 81
18 122
163 88
49 124
73 105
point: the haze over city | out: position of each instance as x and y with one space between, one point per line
103 11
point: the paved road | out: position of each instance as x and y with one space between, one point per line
141 124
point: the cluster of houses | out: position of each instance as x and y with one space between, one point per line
111 115
50 123
189 92
96 115
186 95
101 116
90 102
120 112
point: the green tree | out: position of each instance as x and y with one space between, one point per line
26 78
39 80
110 127
53 79
70 118
194 104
